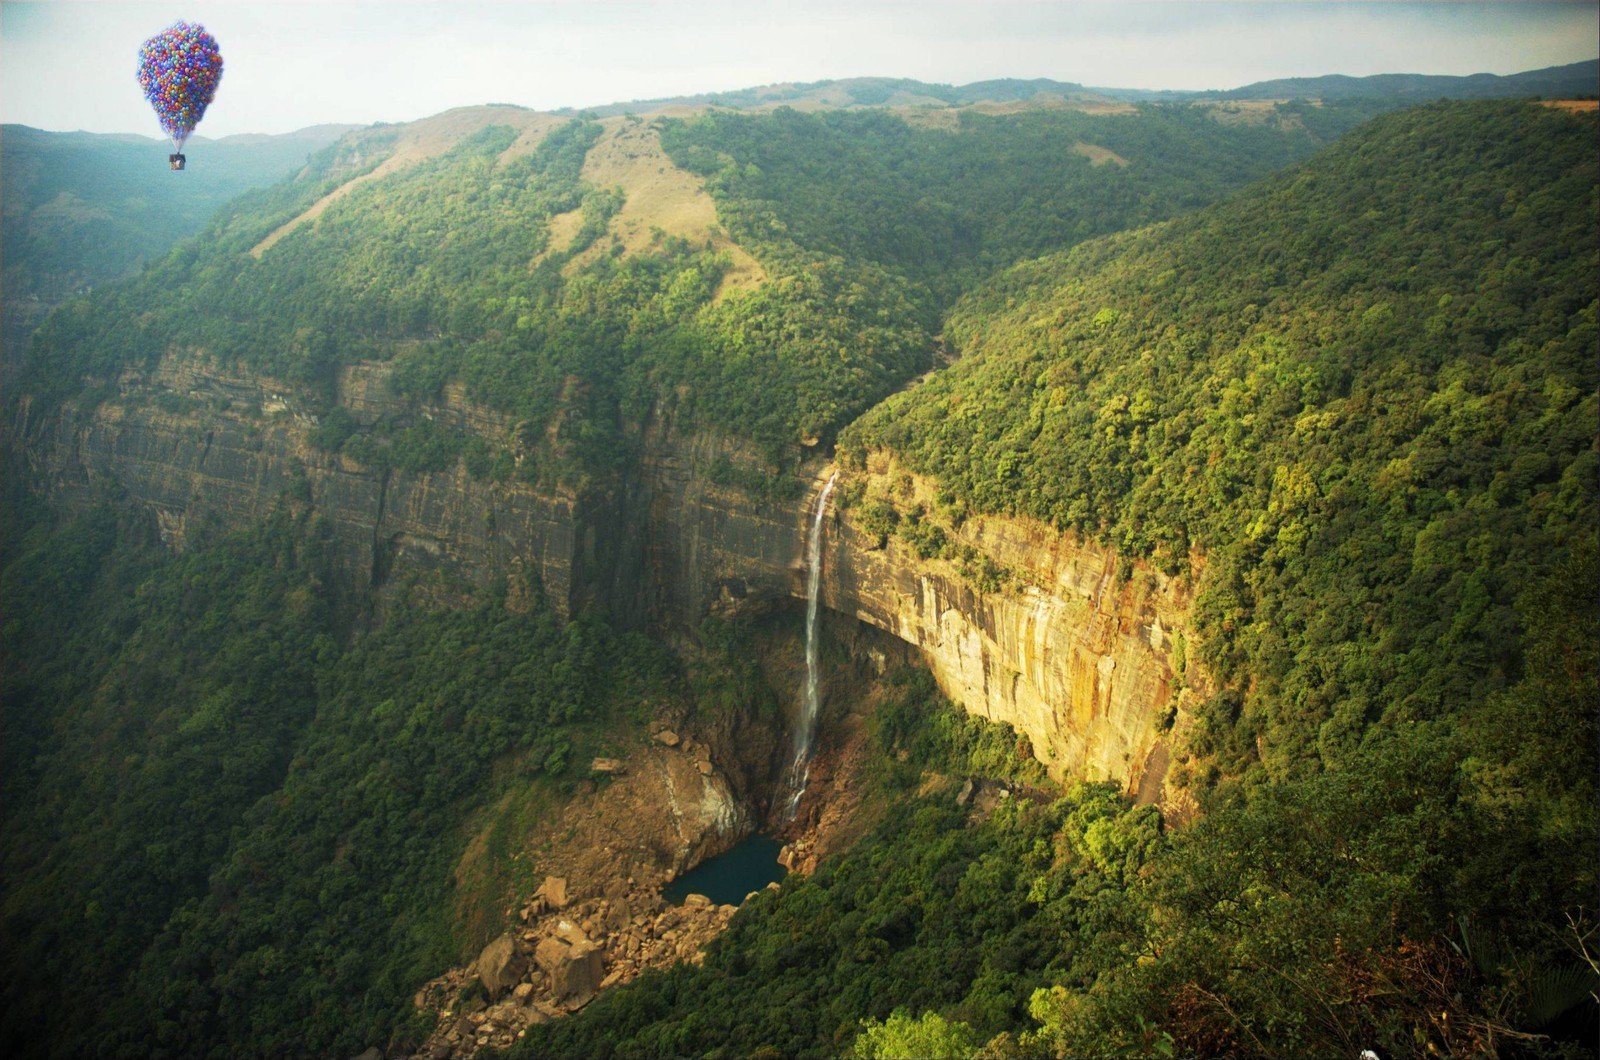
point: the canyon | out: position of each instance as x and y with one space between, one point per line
1078 649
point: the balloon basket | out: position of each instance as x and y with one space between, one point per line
176 161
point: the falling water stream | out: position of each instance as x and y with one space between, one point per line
800 767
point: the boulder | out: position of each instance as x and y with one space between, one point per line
506 1013
667 738
575 970
554 892
500 966
614 767
583 973
570 933
696 901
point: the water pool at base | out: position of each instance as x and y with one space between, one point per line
727 878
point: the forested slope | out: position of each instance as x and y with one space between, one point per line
1357 403
1364 391
237 827
448 266
81 209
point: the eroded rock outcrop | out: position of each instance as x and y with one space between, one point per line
1076 651
500 966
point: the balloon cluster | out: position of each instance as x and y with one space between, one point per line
178 70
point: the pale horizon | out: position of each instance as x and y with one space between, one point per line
69 66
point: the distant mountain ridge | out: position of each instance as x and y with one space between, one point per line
1574 79
858 92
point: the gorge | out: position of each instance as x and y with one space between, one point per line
1134 557
1074 656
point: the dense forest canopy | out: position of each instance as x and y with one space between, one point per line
1354 403
1363 394
868 225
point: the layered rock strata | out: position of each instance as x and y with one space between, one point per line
1076 650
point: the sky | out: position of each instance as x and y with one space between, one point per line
292 63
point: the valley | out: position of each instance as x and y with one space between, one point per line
405 583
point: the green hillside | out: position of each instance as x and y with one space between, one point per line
235 825
868 226
1573 81
1361 399
1364 392
82 209
1349 392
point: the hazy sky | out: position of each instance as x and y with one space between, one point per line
70 65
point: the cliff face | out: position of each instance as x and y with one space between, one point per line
1074 654
196 445
1078 651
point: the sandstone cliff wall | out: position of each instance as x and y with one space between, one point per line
1076 651
1074 654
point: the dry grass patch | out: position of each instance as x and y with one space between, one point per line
1572 106
429 138
1243 111
1092 105
659 197
949 118
942 119
1097 155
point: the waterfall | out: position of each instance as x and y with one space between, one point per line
800 767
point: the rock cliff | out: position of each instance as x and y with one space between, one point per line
1078 649
1073 647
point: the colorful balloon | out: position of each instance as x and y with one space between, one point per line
178 70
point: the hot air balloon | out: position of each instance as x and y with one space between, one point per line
178 70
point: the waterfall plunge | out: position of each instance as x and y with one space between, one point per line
800 768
